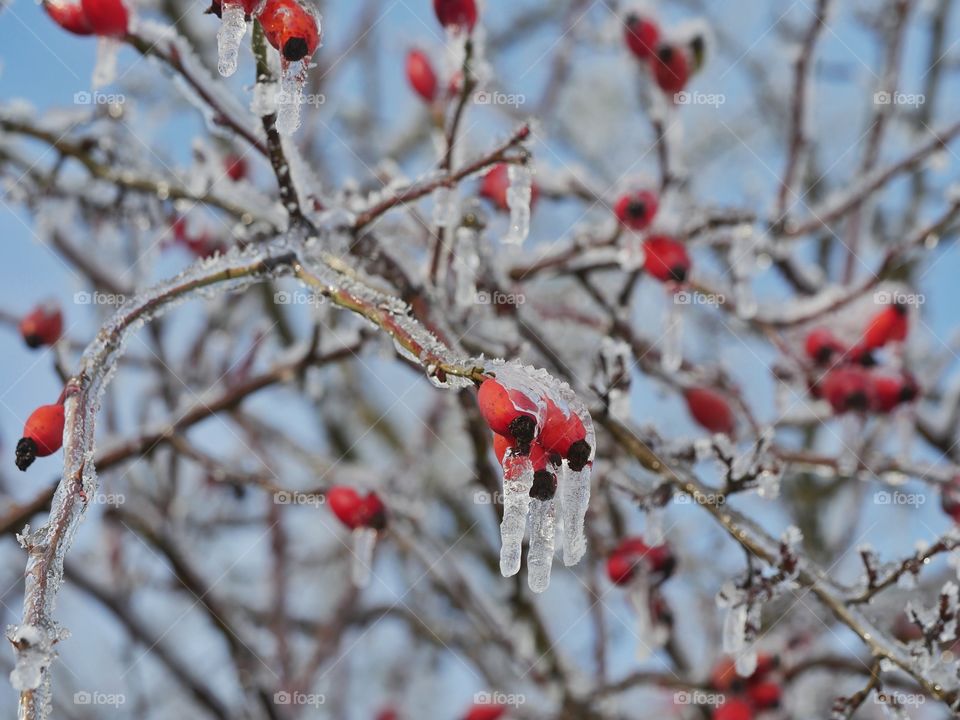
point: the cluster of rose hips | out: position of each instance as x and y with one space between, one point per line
671 63
512 416
850 379
745 697
457 16
664 257
355 510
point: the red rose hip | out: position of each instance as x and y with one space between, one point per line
710 409
107 18
636 210
666 259
671 68
641 35
565 435
508 412
290 28
69 16
421 76
42 434
42 326
460 14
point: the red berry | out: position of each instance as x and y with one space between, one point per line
372 513
889 391
495 183
822 346
355 511
508 412
904 629
421 76
636 210
888 325
633 553
710 409
69 16
847 388
42 326
671 68
642 36
485 712
665 258
461 14
544 479
565 435
290 28
950 498
107 18
42 434
388 714
764 695
734 709
236 167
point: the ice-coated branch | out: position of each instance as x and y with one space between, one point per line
879 580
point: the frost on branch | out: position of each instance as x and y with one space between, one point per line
519 195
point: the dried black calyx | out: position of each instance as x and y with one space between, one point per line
857 400
295 49
637 209
522 429
33 340
544 485
909 392
578 455
678 273
665 53
26 453
824 354
900 306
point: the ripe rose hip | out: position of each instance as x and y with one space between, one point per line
724 676
636 210
889 391
544 479
421 76
495 184
734 709
847 388
633 554
508 412
888 325
355 511
69 16
710 409
485 711
236 167
42 326
42 434
822 346
641 35
565 436
764 695
461 14
290 28
666 259
107 18
671 68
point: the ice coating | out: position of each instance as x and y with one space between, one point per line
361 564
233 27
290 99
650 634
444 206
105 68
466 262
573 488
671 352
517 481
543 530
519 194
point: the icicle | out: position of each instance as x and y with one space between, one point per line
364 540
233 27
671 352
850 430
465 266
519 194
653 533
743 262
542 533
904 422
290 99
105 69
649 633
746 663
444 206
735 629
517 481
575 496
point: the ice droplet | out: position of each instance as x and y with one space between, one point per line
542 534
293 77
233 27
671 353
519 194
105 69
34 653
466 262
364 540
575 497
734 629
517 481
850 433
746 663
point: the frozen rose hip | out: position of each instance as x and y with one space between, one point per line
42 434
